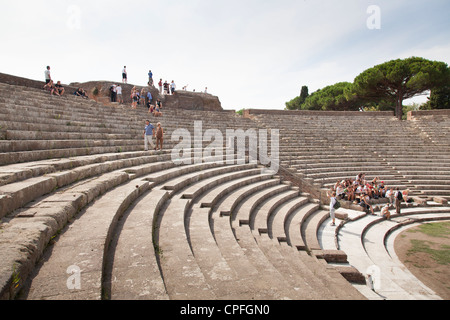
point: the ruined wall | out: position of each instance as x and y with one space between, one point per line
180 99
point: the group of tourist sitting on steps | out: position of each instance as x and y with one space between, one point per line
58 89
147 99
361 191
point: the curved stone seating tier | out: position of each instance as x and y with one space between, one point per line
87 214
164 246
368 243
326 147
36 126
34 224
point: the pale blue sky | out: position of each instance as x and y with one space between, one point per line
250 53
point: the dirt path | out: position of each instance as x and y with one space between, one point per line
425 251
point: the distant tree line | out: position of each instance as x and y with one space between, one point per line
383 87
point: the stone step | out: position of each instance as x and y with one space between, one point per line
294 225
363 253
277 221
88 238
64 205
183 277
132 268
260 217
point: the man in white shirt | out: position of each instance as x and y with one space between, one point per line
48 78
119 94
333 201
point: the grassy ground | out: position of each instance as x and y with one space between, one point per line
425 250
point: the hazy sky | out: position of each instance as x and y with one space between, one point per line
250 53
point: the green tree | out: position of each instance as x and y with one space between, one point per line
332 98
397 80
439 98
296 103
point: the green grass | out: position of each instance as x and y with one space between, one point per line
438 230
441 256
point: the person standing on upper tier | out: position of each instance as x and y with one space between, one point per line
124 75
119 93
48 78
150 78
160 85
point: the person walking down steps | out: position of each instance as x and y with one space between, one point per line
149 133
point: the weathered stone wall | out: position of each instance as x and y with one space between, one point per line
18 81
427 113
254 112
181 99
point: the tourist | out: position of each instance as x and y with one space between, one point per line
124 75
159 136
48 77
150 78
381 190
366 204
406 197
160 85
141 95
350 191
119 93
113 92
134 98
157 112
166 87
149 132
385 213
159 104
340 190
81 93
148 99
390 195
333 202
51 88
59 88
172 87
398 200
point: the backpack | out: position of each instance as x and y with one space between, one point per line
337 205
400 196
